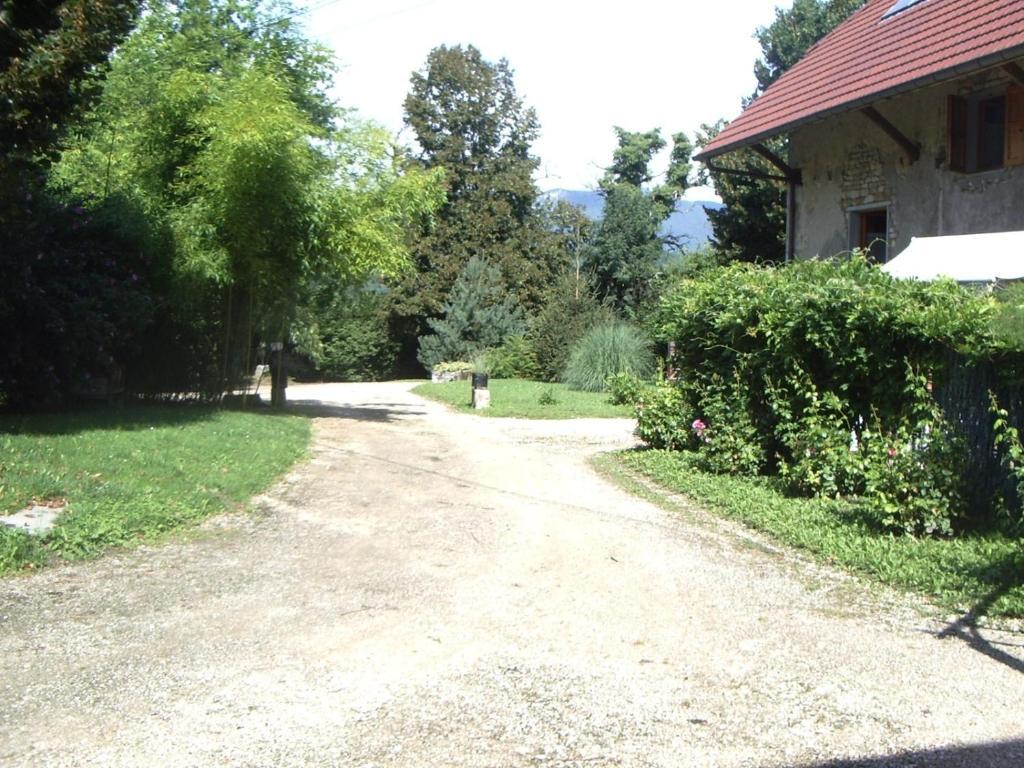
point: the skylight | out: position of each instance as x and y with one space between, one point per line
900 5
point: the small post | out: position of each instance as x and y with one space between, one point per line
481 394
278 375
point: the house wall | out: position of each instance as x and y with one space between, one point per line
849 163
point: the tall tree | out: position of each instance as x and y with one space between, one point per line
627 250
469 120
52 54
631 160
235 155
751 226
794 31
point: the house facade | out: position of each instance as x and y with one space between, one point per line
906 121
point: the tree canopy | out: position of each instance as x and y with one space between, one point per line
794 31
751 226
215 137
469 121
52 54
626 251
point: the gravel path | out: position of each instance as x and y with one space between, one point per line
435 589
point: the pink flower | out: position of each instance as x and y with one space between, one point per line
892 453
699 426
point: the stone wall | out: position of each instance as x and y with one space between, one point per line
848 163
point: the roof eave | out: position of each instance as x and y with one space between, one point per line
933 78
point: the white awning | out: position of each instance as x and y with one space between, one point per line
965 258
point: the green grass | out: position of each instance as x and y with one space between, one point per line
132 474
527 400
981 573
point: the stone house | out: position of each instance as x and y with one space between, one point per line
905 121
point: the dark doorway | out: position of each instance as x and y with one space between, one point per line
872 233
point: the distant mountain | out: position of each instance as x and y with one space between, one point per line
689 223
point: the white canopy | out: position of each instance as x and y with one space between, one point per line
965 258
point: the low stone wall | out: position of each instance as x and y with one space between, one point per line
442 378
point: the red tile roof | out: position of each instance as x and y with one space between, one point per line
868 58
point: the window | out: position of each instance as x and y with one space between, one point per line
991 119
986 132
899 5
869 231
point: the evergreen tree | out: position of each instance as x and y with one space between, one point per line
478 315
571 308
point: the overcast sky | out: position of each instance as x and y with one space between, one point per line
584 66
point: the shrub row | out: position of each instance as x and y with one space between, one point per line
822 373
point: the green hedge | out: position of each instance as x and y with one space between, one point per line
783 370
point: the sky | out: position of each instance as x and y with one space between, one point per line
585 67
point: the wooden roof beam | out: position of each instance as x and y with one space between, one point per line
788 173
1015 70
911 148
749 173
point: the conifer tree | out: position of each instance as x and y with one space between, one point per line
478 315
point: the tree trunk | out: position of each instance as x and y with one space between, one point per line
278 378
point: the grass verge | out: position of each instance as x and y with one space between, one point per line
132 474
522 399
982 573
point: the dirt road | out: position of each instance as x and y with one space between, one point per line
434 589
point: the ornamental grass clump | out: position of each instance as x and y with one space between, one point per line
605 350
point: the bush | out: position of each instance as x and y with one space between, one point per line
570 310
819 456
784 368
1008 316
74 297
914 474
611 348
625 388
664 419
847 328
514 359
348 336
726 433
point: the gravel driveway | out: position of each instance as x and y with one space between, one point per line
436 589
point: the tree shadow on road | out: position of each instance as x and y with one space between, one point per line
378 412
996 754
965 628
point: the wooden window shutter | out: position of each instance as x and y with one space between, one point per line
957 134
1015 125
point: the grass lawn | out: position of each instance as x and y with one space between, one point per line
132 474
981 573
527 400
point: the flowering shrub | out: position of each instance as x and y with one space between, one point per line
818 447
783 367
914 477
725 433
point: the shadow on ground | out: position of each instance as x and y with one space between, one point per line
1010 575
998 754
379 412
105 417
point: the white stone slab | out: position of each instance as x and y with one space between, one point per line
35 519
